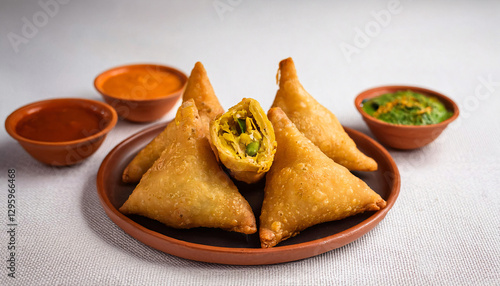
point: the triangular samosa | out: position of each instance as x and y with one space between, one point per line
186 187
200 90
304 187
316 122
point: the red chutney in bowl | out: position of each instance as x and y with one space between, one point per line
59 124
62 131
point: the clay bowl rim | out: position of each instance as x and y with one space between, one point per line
376 91
103 76
11 122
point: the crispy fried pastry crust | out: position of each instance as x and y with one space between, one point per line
317 122
186 187
304 187
200 90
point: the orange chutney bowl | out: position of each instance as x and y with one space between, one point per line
141 92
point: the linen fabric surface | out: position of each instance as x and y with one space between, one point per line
444 228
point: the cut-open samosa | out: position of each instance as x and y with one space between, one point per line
186 187
200 90
317 123
304 187
243 140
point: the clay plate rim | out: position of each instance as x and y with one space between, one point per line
107 74
376 91
241 256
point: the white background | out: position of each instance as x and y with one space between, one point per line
445 226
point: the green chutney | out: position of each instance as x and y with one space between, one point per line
406 107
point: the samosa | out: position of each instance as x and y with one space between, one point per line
186 187
304 187
317 123
243 140
200 90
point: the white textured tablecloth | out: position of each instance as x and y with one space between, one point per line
445 225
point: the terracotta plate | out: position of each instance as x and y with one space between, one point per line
218 246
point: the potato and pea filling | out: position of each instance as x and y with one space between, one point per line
244 140
241 135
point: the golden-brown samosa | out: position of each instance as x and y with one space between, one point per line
304 187
186 187
317 123
145 158
243 140
200 90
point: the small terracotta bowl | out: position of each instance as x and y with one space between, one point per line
63 153
404 136
140 108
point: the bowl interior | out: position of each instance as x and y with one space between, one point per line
373 92
105 114
105 76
